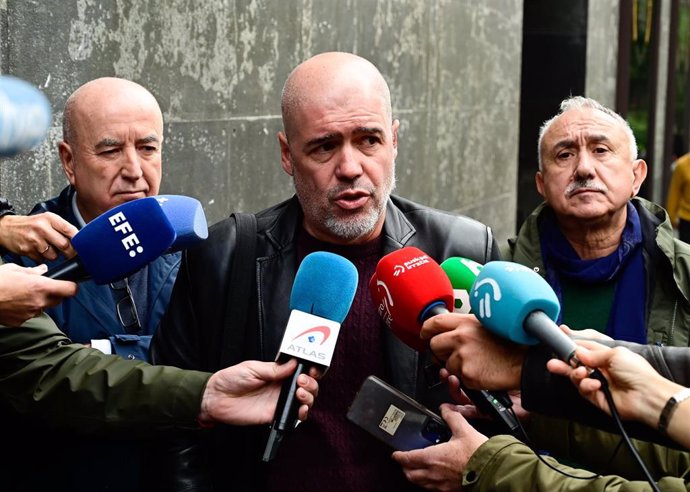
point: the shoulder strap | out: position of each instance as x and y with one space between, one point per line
239 290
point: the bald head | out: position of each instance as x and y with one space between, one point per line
97 96
113 137
326 74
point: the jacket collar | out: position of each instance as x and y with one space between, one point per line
279 264
397 230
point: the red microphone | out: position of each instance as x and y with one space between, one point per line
408 288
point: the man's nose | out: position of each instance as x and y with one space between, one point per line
585 165
349 167
131 166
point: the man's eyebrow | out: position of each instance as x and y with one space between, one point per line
368 130
148 139
315 142
598 138
566 143
108 142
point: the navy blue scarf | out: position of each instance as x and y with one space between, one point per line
625 266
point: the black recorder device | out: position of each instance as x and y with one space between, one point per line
395 418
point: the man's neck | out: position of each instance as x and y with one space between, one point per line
595 239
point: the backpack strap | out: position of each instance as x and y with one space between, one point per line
240 282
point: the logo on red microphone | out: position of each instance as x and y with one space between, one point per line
384 308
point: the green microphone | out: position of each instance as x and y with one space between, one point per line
461 272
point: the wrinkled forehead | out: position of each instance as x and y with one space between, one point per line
583 125
119 115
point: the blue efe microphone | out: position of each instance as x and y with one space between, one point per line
117 243
322 293
516 303
25 116
186 215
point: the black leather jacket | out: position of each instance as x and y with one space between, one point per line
195 322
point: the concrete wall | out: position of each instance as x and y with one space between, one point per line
217 67
602 51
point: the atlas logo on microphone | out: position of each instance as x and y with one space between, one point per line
310 337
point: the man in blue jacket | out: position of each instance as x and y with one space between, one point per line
111 154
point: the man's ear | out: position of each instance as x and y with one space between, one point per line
67 160
395 127
539 180
285 156
639 175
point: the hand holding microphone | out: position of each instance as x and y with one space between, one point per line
128 237
26 293
480 358
322 293
409 288
515 302
41 237
117 243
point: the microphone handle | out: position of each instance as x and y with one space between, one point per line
543 328
71 269
285 418
494 404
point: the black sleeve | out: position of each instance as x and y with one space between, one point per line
671 362
553 395
188 337
6 207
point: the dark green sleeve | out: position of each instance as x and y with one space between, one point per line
504 464
43 374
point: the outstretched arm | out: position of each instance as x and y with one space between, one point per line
247 393
639 392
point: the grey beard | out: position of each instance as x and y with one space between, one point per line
349 229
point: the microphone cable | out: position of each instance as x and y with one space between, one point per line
596 374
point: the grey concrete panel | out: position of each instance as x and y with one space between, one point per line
34 176
602 51
257 179
196 159
217 69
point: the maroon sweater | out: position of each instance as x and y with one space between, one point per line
328 452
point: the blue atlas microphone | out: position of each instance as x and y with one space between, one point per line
187 217
322 293
25 116
117 243
516 303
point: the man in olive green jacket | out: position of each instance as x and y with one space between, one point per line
615 267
